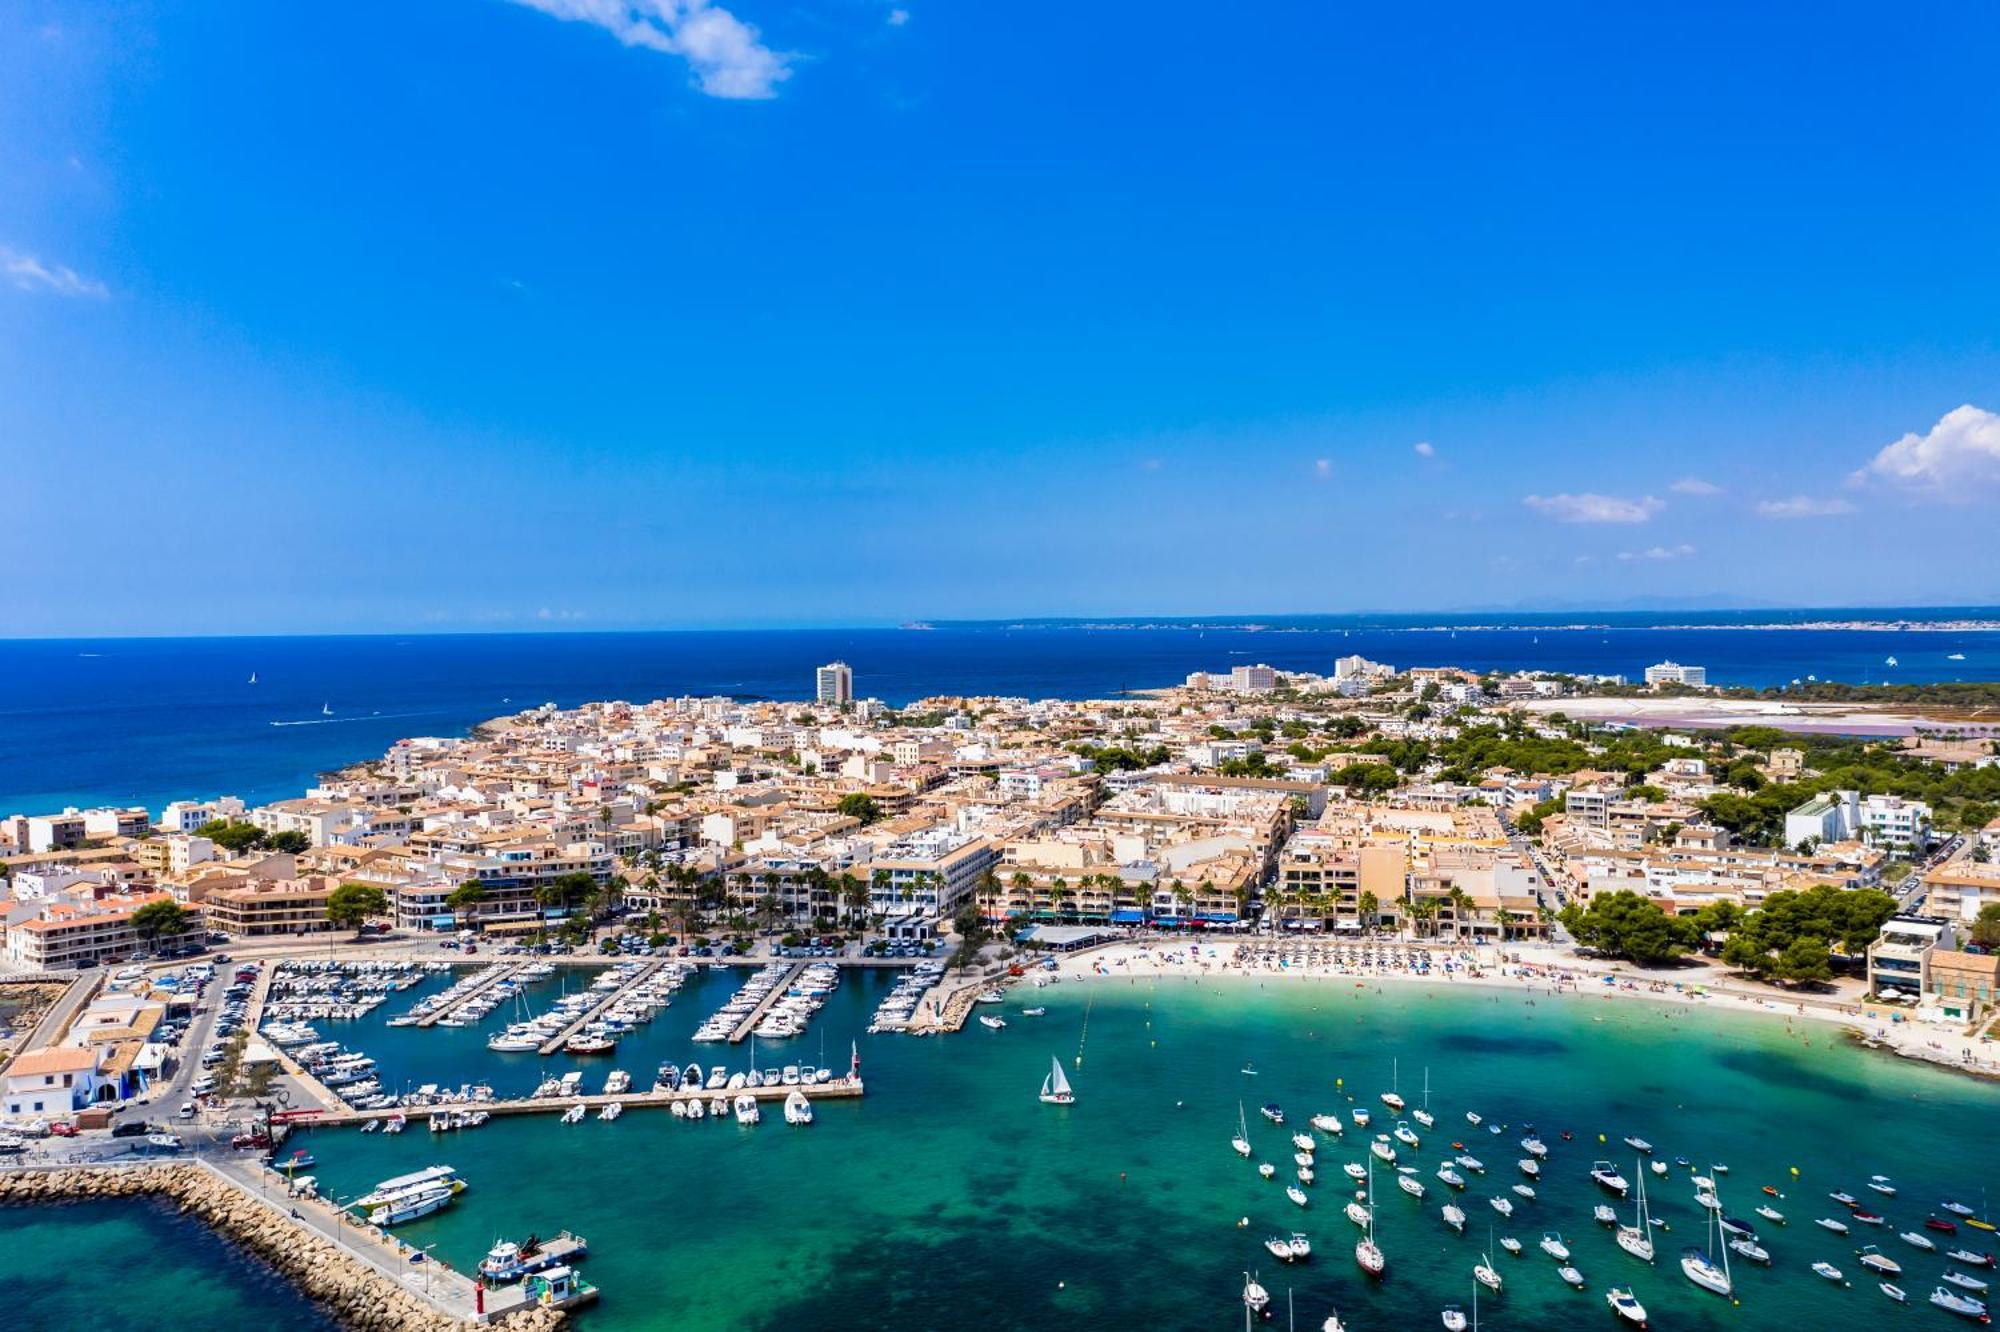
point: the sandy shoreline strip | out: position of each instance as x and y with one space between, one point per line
1527 969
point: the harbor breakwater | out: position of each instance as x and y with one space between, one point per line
354 1293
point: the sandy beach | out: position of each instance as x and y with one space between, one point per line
1529 969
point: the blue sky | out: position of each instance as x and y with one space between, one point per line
478 314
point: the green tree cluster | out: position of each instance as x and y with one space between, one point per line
1625 924
1791 937
231 835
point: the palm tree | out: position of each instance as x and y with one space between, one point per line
1369 908
1461 910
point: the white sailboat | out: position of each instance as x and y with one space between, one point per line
1700 1266
1423 1114
1637 1238
326 709
1241 1142
1367 1253
253 677
1056 1090
1390 1097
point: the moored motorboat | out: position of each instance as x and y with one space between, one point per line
1455 1218
1626 1305
1569 1273
1964 1282
1607 1176
1830 1272
1837 1227
1962 1305
1296 1194
1504 1206
1255 1297
1917 1240
1552 1245
1970 1258
1894 1292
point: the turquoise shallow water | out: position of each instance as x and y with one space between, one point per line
949 1195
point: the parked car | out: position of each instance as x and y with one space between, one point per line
132 1128
62 1128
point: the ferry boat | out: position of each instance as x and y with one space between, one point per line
416 1179
411 1205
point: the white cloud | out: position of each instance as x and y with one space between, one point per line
30 274
549 613
1424 449
1323 468
1803 506
1954 460
722 51
898 17
1694 485
1680 552
1594 508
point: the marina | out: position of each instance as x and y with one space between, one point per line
853 1191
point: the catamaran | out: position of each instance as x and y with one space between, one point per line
1056 1091
1637 1238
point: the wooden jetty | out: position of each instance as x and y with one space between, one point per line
756 1015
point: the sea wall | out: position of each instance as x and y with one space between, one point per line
353 1292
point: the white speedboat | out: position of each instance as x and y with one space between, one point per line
1570 1275
1361 1116
1881 1185
1296 1194
1552 1245
1830 1272
1455 1218
574 1115
747 1111
1451 1177
990 1021
1639 1144
1472 1163
1746 1246
1529 1167
1300 1246
1837 1227
1473 1118
1962 1305
1771 1214
1267 1170
798 1110
1964 1282
1304 1159
1607 1176
1511 1245
1626 1305
612 1111
1894 1292
1409 1184
1504 1206
1524 1191
1279 1248
1878 1262
1918 1240
1327 1123
1603 1215
1304 1142
1454 1318
1354 1170
1383 1151
1534 1147
1404 1134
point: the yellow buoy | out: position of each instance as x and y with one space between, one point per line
1600 1137
1795 1172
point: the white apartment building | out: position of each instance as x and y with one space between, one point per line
1840 816
1258 679
834 683
186 816
1672 672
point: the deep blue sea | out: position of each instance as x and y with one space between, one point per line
87 722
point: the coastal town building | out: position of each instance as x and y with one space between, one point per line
1673 673
834 683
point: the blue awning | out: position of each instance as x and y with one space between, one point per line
1127 916
1217 917
442 922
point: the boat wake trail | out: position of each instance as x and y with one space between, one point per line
373 716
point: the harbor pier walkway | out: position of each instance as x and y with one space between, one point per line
431 1018
644 974
756 1015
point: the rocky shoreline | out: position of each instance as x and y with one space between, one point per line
353 1292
